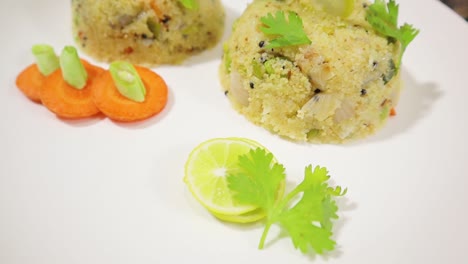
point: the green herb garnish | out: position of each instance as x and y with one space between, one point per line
289 32
309 221
189 4
73 71
127 80
46 59
384 19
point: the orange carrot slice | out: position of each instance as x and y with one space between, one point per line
393 112
66 101
119 108
156 10
29 81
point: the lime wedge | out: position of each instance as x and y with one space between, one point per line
342 8
206 170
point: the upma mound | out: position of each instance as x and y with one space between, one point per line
339 87
146 32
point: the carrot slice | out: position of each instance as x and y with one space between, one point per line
29 81
119 108
66 101
393 112
156 10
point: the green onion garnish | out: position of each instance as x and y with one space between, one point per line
73 71
127 80
46 59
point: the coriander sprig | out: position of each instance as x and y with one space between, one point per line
384 19
288 32
309 221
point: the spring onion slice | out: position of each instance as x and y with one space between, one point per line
46 59
73 71
127 81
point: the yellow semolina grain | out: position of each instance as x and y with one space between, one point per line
146 32
340 87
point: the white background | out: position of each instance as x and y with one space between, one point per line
96 191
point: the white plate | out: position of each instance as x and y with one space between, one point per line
101 192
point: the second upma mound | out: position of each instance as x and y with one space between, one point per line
148 32
339 87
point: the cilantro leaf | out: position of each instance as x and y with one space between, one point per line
305 234
309 221
289 32
384 19
189 4
257 180
329 208
407 34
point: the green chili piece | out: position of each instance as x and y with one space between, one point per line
257 69
189 4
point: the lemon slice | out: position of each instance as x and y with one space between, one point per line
342 8
249 217
252 216
206 170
